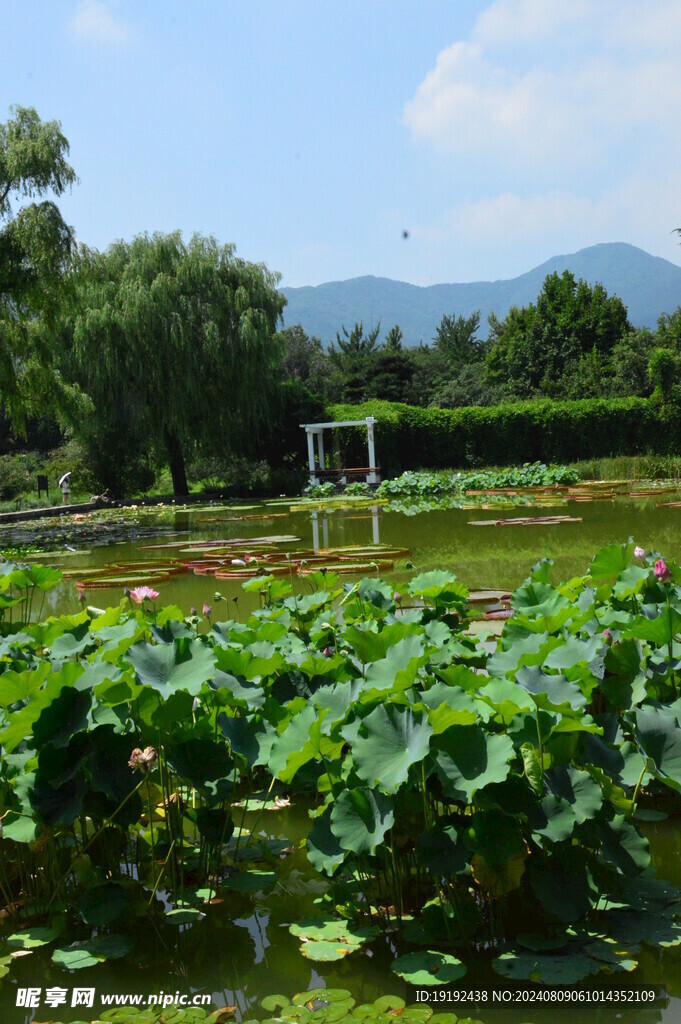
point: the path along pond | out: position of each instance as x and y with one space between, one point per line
242 950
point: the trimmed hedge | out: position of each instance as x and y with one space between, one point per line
411 437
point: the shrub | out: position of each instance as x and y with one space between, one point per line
544 430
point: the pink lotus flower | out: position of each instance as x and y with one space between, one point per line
607 636
206 609
639 552
662 570
397 597
142 594
327 652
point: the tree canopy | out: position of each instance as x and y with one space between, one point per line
35 249
176 342
533 346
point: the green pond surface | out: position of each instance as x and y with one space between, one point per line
242 950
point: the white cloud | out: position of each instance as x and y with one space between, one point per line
563 105
93 22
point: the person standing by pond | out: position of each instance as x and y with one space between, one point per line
65 485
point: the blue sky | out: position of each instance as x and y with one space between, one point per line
312 134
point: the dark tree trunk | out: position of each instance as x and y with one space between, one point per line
177 467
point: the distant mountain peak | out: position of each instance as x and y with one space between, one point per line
648 286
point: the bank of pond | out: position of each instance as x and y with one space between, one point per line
455 802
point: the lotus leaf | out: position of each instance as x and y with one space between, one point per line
428 968
470 758
547 969
182 665
360 818
390 741
94 951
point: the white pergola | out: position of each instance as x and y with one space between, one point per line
313 430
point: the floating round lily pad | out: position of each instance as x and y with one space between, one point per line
428 967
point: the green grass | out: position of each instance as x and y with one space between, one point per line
630 467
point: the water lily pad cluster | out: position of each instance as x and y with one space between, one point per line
458 786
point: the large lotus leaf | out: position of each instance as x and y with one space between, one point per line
661 630
19 686
57 765
332 930
110 773
555 819
390 740
562 884
499 852
550 691
205 764
528 650
470 758
609 951
245 694
507 699
449 705
556 969
541 608
335 701
324 850
247 737
300 742
21 722
103 903
74 642
580 790
360 819
398 669
428 967
630 582
573 652
623 845
438 585
20 827
630 928
94 951
67 714
250 881
182 665
610 562
32 938
322 950
624 685
55 805
441 851
659 737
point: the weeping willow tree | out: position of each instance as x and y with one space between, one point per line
35 252
177 341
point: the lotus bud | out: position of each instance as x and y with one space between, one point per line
196 705
607 636
639 552
217 596
397 597
662 570
327 652
192 610
206 609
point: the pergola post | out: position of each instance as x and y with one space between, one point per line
310 455
320 448
372 477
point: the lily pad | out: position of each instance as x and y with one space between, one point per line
428 967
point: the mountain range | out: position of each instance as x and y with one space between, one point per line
648 286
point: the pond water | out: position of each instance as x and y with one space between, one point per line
493 557
242 950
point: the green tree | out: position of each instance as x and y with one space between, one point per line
393 369
532 348
354 356
179 338
35 249
456 337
